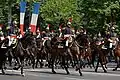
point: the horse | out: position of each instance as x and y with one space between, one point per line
30 45
64 54
85 49
41 52
117 55
101 52
4 48
20 51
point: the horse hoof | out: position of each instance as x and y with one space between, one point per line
23 75
95 70
114 69
54 72
105 71
68 73
81 74
3 73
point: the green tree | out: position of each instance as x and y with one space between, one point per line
96 13
54 10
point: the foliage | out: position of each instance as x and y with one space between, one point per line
97 13
91 14
55 10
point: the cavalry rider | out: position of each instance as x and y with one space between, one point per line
45 35
112 40
67 33
1 35
99 39
38 33
12 40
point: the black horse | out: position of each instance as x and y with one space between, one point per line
20 51
4 48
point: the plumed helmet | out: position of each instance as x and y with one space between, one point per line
69 23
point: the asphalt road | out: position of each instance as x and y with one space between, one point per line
46 74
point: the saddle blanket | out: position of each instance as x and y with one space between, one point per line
59 46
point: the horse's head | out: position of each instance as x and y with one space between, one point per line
29 40
83 40
54 40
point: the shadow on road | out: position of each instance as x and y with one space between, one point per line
10 74
57 73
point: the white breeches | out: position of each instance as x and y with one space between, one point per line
66 43
44 42
110 45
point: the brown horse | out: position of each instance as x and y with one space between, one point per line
42 54
76 54
117 55
3 55
101 54
20 52
85 49
55 51
63 53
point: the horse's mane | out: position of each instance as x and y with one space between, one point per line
78 36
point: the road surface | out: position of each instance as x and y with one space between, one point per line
46 74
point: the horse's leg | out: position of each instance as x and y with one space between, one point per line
69 55
103 66
26 61
50 61
41 63
93 60
79 64
79 59
118 63
37 62
19 64
3 72
66 67
106 62
15 61
97 64
89 62
2 67
33 61
22 65
33 66
10 58
53 60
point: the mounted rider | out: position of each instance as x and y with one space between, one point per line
112 36
67 34
99 39
1 35
45 35
38 34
